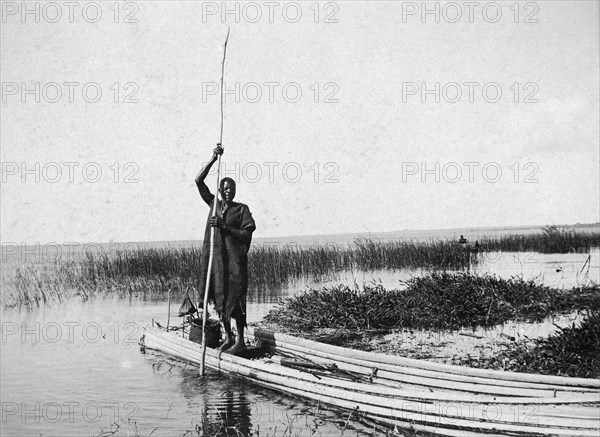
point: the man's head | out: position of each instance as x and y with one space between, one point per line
227 189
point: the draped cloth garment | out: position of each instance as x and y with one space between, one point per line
229 277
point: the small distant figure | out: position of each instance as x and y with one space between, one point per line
466 250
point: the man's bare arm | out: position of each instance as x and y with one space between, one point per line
207 196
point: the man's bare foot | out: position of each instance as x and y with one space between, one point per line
236 349
226 345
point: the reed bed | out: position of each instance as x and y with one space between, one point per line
436 301
442 254
151 272
147 274
552 239
276 265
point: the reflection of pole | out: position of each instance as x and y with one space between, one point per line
213 230
229 409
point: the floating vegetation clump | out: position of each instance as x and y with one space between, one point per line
573 351
436 301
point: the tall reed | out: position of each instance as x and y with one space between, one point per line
552 240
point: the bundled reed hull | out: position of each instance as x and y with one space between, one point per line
411 406
435 375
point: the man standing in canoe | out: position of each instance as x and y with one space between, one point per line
229 279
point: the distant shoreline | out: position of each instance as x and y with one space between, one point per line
471 233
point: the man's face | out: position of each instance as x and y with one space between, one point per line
228 191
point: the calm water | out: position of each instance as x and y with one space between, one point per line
76 369
553 270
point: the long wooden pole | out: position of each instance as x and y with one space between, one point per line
169 310
212 214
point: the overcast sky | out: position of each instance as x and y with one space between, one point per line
399 125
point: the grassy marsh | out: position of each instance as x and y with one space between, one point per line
552 239
151 272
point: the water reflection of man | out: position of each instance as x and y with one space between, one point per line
229 276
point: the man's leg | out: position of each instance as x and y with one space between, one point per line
229 341
240 344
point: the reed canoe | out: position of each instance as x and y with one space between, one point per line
446 409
